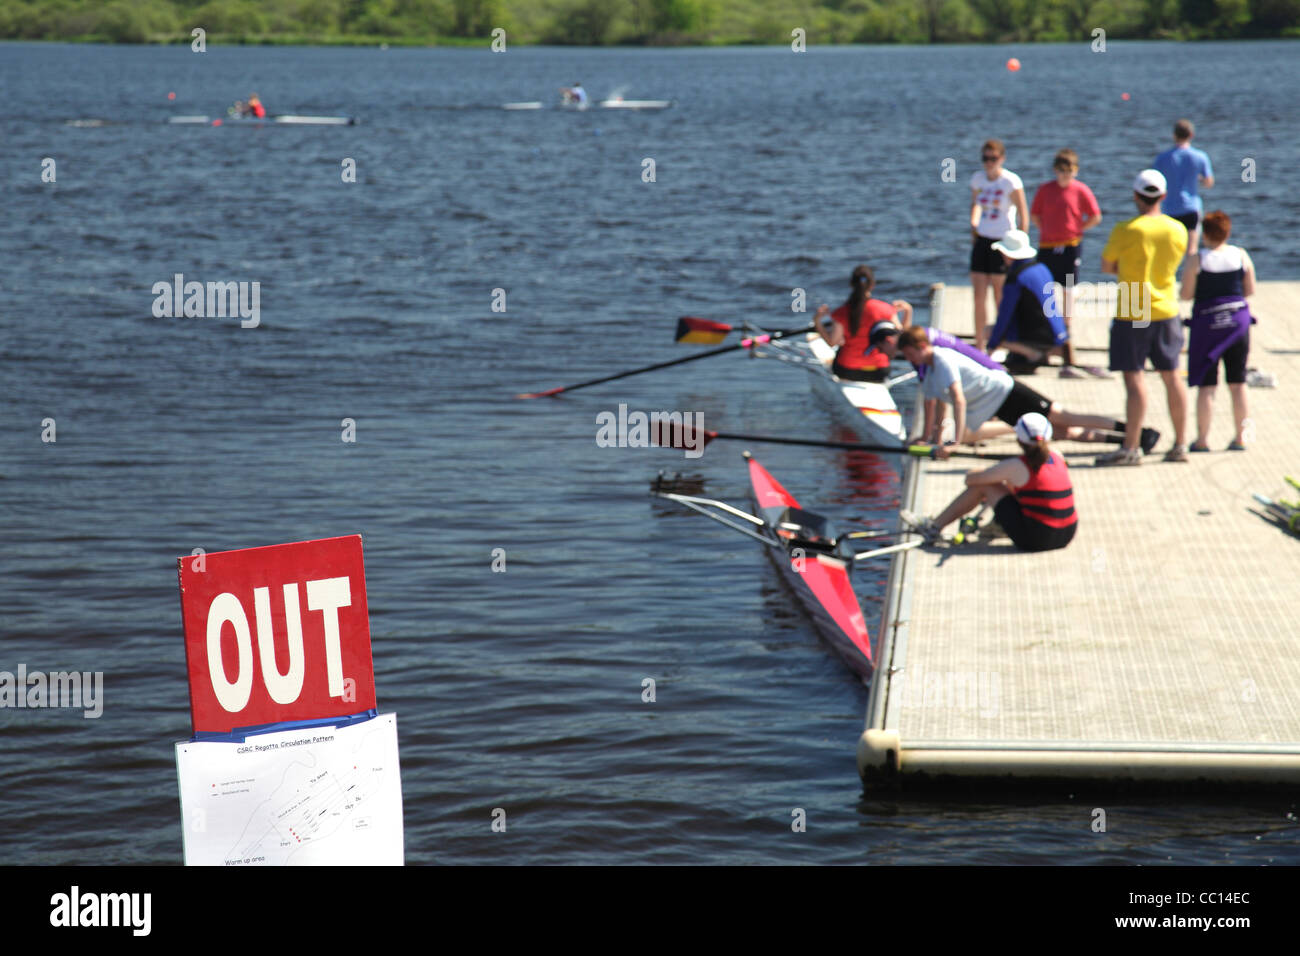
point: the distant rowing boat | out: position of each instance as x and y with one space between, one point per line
614 104
285 120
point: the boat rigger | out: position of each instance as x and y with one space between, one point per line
811 557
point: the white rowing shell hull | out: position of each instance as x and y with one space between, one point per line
866 407
270 120
603 104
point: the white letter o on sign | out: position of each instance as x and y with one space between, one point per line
225 609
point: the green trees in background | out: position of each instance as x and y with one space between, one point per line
595 22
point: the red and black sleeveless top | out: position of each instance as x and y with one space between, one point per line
1048 496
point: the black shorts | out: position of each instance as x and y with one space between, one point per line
1131 344
985 259
1026 533
1062 261
1036 330
1234 364
1189 219
1022 401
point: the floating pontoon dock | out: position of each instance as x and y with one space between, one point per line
1161 646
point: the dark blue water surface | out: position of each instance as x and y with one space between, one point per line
522 690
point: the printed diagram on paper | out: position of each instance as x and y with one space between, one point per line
327 795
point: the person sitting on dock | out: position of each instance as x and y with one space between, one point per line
850 330
1029 324
979 394
1031 494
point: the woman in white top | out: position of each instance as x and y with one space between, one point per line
1217 280
997 205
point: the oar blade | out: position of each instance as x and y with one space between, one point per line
546 394
692 330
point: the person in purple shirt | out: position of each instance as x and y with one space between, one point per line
1185 169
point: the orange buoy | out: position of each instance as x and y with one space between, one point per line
1123 96
171 96
1013 64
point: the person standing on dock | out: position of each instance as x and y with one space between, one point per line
1144 253
1031 495
1186 169
978 394
1062 211
997 205
850 331
1218 279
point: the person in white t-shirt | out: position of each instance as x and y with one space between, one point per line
997 205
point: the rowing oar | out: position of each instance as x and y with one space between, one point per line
673 435
745 343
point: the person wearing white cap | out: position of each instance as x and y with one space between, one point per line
1028 323
1144 253
1031 495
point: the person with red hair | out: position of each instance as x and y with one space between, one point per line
1217 280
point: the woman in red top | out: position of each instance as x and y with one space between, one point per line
1031 494
850 332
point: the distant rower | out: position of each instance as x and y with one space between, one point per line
574 94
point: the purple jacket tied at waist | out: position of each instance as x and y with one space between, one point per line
1216 324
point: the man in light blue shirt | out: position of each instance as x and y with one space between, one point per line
1185 168
987 403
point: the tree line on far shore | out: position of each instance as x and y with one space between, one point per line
645 22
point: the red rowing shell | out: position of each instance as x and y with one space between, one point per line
823 586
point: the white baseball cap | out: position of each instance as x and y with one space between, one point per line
1032 427
1016 244
1150 183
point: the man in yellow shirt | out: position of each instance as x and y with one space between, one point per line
1144 253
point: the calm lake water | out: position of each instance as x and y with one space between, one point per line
522 690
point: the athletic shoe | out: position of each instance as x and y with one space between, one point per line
1198 446
1148 440
1235 446
1069 371
1097 371
1177 453
992 530
921 525
1120 456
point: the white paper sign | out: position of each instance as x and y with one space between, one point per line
324 796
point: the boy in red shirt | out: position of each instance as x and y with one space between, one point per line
1063 210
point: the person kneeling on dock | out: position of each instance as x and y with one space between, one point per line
978 394
1029 324
1031 495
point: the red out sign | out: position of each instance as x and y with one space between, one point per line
276 634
